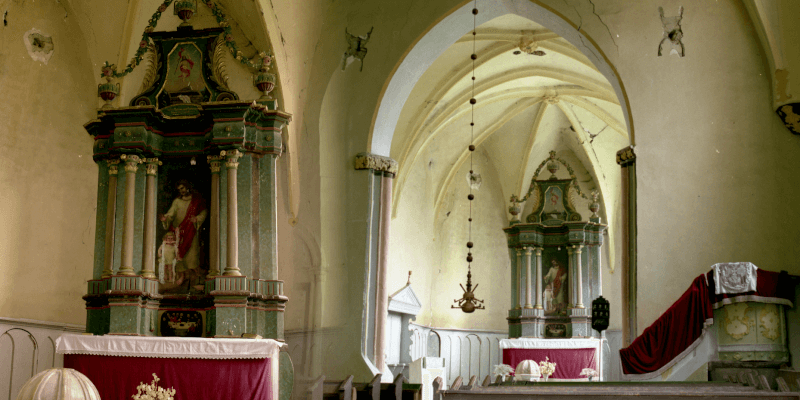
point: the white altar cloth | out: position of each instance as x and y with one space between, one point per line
168 347
533 343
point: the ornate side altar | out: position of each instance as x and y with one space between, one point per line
186 236
555 262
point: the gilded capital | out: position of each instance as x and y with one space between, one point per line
626 156
528 251
152 166
215 162
132 162
231 157
113 166
376 162
538 251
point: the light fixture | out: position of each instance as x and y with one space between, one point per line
468 302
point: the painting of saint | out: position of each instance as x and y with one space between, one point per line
180 251
555 293
184 74
553 204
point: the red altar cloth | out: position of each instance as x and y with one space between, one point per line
672 333
569 362
193 379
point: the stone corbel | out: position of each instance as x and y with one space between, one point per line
376 163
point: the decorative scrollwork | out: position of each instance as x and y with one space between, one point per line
219 73
153 66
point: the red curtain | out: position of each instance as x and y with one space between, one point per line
116 378
672 333
569 362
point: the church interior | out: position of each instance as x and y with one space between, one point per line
378 189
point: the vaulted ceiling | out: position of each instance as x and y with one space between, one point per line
535 93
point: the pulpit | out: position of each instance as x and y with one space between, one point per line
555 259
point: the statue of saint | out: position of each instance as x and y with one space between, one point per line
555 280
183 220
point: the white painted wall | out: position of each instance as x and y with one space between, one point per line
28 347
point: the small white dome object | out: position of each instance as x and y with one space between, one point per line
59 384
527 370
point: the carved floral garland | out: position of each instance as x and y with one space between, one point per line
110 70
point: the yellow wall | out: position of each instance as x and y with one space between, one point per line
48 181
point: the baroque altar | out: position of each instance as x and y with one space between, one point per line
556 268
186 241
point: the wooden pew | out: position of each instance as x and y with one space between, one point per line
314 392
456 384
473 383
371 390
487 381
400 389
437 384
336 390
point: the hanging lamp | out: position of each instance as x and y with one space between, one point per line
468 303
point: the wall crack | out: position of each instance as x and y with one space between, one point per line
594 11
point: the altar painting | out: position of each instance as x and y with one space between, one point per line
553 204
182 226
184 82
555 281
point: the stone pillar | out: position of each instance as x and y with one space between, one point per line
382 301
381 172
111 209
131 166
149 247
571 270
528 277
538 305
626 159
519 280
579 301
215 163
232 264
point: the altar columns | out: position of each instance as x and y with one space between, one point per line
538 305
131 166
215 163
518 302
149 248
578 268
111 209
528 251
232 264
626 159
571 269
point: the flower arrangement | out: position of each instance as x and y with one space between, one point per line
588 372
547 367
503 370
153 391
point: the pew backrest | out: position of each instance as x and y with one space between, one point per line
314 392
456 384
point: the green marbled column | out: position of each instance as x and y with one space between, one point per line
244 195
268 218
100 219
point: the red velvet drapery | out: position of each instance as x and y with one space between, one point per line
672 333
116 378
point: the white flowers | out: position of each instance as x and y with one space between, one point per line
503 369
588 372
153 391
547 367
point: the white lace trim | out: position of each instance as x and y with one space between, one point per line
167 347
530 343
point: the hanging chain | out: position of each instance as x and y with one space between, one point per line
472 102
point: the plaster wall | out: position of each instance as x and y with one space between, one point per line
48 181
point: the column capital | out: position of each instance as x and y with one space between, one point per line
215 162
578 248
132 162
376 162
519 251
570 250
113 166
152 165
538 250
231 157
626 156
528 251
